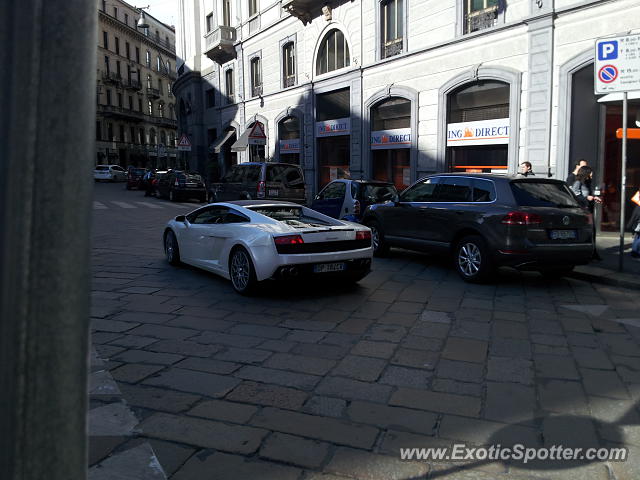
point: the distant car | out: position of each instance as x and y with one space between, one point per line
249 241
155 179
484 221
348 199
261 181
109 173
178 185
134 177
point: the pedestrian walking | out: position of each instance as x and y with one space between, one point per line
583 190
634 226
148 182
571 178
526 170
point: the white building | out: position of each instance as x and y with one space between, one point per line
395 89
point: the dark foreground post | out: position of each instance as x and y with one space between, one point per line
47 118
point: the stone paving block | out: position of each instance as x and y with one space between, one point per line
142 318
374 349
510 347
170 455
133 372
295 450
553 366
569 431
162 331
203 433
98 338
435 316
341 339
398 418
332 352
325 406
405 377
509 315
453 386
560 396
224 411
617 421
278 377
551 340
360 368
280 346
199 323
430 330
133 341
101 447
184 347
208 365
138 463
484 432
207 465
576 324
603 383
300 363
316 427
517 370
192 381
111 420
510 402
153 307
353 389
142 356
370 466
259 331
550 350
604 325
508 329
354 325
471 329
108 351
544 326
473 315
422 343
305 336
436 402
394 440
462 371
386 333
142 290
620 344
465 350
397 318
308 325
415 358
243 355
115 326
406 307
205 312
266 394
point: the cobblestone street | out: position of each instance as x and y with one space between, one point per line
318 382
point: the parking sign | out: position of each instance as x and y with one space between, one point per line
617 65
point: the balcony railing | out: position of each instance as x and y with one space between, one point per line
219 44
153 92
167 122
393 47
115 111
289 81
111 77
301 9
256 90
481 19
131 84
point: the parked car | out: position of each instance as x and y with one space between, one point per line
260 180
348 199
134 177
155 178
109 173
249 241
178 185
485 221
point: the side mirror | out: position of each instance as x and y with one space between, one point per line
180 218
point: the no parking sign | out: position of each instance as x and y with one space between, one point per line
617 65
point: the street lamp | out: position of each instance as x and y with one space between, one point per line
142 21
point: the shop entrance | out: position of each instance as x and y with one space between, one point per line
333 135
333 155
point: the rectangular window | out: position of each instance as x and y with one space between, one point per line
480 14
137 55
158 64
148 59
126 21
253 7
209 22
226 13
118 68
117 43
127 50
98 131
228 82
210 98
107 66
140 105
132 134
105 40
130 103
108 97
256 77
104 6
392 27
122 139
289 65
110 132
119 95
115 12
160 86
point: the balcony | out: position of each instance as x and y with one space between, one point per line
289 81
256 90
392 48
219 44
132 84
481 19
120 112
303 10
153 93
111 77
163 121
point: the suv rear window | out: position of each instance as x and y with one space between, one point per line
289 175
543 194
377 193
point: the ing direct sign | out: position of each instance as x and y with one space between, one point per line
484 132
290 146
333 128
390 139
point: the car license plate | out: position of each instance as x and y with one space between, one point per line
274 192
329 267
563 235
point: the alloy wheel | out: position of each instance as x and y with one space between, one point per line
469 259
168 248
240 270
375 237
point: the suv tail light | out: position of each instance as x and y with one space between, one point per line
363 235
261 194
522 218
288 239
356 208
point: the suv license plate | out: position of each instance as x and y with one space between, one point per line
563 235
274 192
329 267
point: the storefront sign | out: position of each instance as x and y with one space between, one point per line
290 146
485 132
332 128
388 139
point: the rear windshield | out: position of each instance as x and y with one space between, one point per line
293 216
289 175
190 177
376 193
543 194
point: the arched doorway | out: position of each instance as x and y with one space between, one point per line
289 140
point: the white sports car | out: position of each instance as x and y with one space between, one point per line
248 241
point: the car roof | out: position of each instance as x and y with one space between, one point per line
495 176
254 203
266 163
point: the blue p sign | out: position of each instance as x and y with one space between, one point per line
608 50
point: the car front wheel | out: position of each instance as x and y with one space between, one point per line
380 247
171 249
472 260
241 271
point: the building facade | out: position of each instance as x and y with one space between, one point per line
136 118
396 89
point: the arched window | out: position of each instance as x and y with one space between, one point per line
289 64
161 110
391 141
150 107
289 140
333 53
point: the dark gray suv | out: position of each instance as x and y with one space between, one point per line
485 221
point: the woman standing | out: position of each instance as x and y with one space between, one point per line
582 188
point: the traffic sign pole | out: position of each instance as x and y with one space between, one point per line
623 186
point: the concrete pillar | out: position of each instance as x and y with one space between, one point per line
47 53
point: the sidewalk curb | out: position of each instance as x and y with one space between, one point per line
606 276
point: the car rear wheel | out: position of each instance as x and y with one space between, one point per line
171 249
380 247
241 271
472 260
